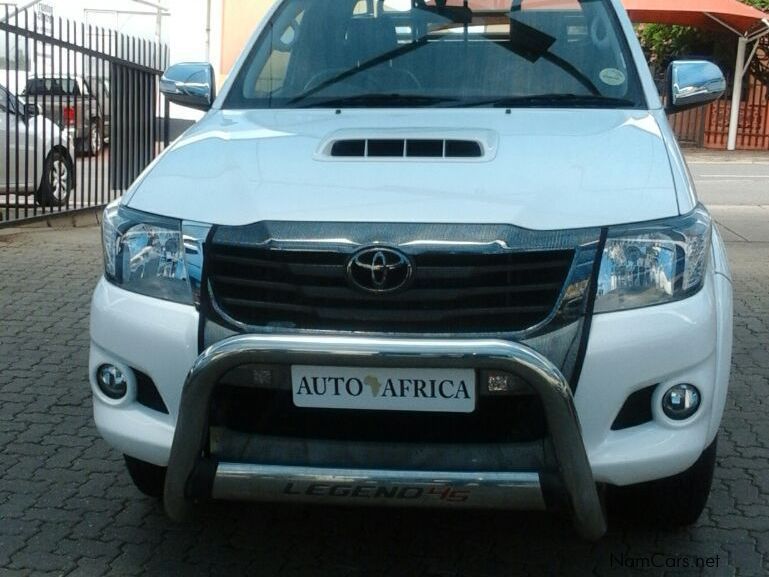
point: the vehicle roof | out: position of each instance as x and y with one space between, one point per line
57 77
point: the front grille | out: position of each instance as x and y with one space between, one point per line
449 292
496 419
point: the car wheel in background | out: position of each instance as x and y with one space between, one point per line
57 182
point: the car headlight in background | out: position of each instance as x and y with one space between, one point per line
144 253
654 263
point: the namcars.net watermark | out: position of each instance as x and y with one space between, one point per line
663 561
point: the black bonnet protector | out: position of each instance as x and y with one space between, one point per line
463 281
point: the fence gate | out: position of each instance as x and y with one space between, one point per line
80 113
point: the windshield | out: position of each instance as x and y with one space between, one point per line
412 53
7 102
52 87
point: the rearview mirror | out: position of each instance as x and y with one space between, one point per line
190 84
443 13
692 83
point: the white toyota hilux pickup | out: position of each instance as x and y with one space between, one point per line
422 252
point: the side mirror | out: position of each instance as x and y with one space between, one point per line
31 110
190 84
692 83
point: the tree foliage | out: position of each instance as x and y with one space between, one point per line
760 4
664 43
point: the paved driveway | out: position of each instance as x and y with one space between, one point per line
68 508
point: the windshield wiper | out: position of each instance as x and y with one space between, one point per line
379 99
552 101
349 73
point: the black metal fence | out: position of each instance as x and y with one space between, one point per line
80 113
689 126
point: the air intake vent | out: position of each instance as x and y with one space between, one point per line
402 148
637 410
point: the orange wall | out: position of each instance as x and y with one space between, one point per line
239 18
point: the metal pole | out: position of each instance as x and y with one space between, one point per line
208 31
88 11
156 5
24 7
159 25
739 74
161 11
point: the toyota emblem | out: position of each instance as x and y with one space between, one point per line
379 270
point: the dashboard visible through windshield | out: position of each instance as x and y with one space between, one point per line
434 53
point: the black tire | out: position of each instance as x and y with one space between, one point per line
95 141
676 501
148 478
58 180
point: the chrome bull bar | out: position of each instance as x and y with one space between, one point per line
269 482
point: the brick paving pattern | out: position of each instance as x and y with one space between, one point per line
67 506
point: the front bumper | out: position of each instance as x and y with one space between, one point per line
686 341
190 475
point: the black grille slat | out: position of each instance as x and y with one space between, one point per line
342 294
473 271
370 314
449 292
272 412
318 270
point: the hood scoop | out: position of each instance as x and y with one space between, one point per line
396 148
415 145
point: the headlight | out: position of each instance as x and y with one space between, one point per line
654 263
144 253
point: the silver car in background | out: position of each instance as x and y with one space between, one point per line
36 157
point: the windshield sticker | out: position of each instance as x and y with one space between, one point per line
612 76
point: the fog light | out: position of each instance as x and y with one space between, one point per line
112 381
681 401
500 383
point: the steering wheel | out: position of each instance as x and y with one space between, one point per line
324 75
411 77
